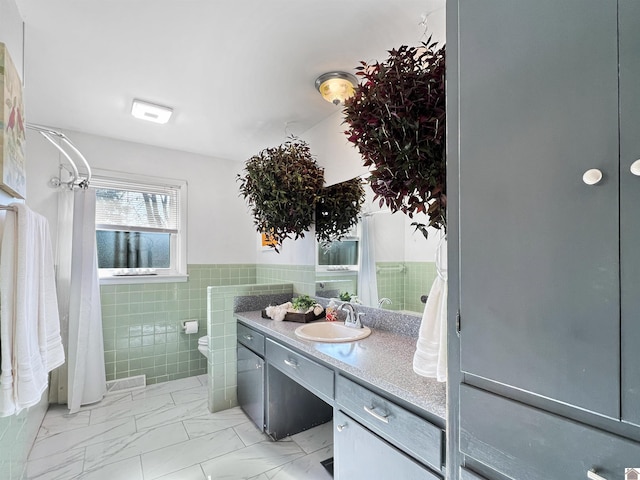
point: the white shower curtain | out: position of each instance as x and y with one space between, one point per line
82 380
367 281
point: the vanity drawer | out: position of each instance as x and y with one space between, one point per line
513 439
251 339
316 377
410 433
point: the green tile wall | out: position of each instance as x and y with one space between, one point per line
17 434
303 277
419 277
391 283
405 287
142 323
222 339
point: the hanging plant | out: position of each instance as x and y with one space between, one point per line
337 209
397 121
281 186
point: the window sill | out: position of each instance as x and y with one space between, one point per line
133 279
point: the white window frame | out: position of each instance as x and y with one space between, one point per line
353 235
178 246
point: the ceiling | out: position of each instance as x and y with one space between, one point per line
239 74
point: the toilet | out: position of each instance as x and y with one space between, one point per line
203 346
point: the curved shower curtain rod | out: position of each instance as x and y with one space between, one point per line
76 180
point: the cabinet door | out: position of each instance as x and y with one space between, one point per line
630 205
532 444
359 453
251 385
539 256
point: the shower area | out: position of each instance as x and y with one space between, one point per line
81 380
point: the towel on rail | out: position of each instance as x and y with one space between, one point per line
29 320
430 358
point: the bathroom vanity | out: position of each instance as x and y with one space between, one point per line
388 421
276 405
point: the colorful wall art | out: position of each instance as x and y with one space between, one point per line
12 128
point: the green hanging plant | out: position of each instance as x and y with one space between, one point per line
397 121
338 208
281 185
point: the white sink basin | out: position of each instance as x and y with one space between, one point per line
333 332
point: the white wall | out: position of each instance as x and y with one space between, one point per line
394 237
339 158
220 229
416 247
292 252
11 33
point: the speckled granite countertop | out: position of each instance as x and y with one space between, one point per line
384 360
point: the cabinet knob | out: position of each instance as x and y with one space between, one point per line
592 475
341 427
592 176
635 168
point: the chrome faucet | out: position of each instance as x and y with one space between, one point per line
384 301
353 317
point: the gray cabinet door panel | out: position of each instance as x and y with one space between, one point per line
630 206
400 427
358 453
251 385
539 260
530 444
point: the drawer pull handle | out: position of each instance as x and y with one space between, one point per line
248 337
592 475
341 427
371 411
291 363
635 168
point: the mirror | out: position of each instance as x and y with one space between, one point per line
404 260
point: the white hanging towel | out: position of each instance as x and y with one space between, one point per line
430 359
29 322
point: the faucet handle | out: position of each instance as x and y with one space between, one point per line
358 321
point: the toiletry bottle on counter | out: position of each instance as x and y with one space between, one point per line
331 314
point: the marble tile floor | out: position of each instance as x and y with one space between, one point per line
166 432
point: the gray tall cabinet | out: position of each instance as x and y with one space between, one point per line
544 130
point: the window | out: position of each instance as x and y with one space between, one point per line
338 255
140 228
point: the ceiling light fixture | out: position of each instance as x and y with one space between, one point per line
151 112
336 87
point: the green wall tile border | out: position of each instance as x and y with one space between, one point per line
17 436
142 323
221 330
303 277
